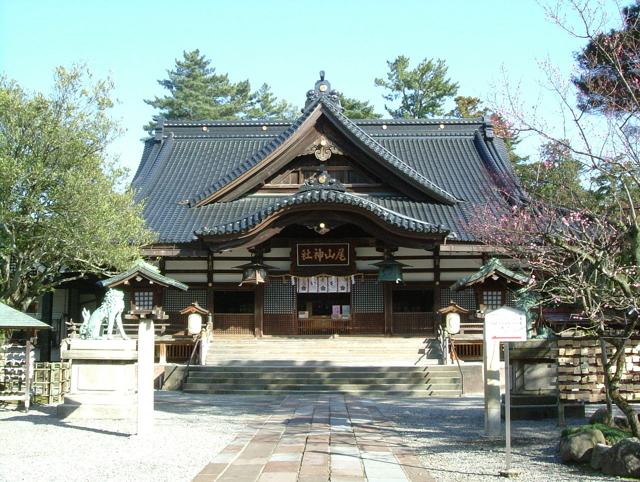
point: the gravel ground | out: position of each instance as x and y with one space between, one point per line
191 429
449 435
188 432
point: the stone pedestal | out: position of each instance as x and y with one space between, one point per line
491 355
103 379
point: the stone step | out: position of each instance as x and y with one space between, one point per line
276 377
324 369
272 382
255 385
367 393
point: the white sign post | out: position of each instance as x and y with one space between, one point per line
502 325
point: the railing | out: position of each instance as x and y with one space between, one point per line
324 326
367 324
469 350
472 328
280 324
419 323
198 343
234 323
455 356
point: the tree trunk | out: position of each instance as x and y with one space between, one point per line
614 388
627 409
607 380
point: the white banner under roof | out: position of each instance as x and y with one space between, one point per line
322 284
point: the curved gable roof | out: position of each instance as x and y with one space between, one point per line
323 106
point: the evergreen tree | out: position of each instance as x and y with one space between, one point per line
467 106
608 67
556 167
421 91
358 109
63 212
265 105
197 92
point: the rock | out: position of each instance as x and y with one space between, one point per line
599 416
623 459
597 454
577 447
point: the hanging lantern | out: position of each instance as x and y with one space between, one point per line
389 269
254 272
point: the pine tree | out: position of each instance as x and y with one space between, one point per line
608 67
358 109
197 92
265 105
421 91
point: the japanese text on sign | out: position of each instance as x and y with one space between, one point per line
336 254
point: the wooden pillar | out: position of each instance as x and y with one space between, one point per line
437 302
388 308
258 309
46 337
162 353
27 372
210 286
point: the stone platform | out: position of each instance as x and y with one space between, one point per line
103 379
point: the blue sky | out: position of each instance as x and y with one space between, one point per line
283 43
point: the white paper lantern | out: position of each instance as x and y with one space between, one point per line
194 323
453 323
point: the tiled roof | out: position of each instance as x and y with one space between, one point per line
251 218
459 158
12 319
349 127
491 268
147 270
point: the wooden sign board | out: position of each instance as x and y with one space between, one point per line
318 258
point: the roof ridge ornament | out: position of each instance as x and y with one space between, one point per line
322 181
322 88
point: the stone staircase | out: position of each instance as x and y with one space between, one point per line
367 366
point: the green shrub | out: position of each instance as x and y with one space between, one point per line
611 434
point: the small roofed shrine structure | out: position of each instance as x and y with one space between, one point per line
16 356
145 288
324 225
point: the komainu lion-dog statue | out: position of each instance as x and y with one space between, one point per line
110 311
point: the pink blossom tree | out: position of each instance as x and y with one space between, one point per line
587 251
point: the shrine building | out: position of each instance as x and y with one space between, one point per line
324 225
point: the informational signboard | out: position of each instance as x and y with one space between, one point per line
506 324
503 325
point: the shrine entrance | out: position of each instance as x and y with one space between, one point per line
324 313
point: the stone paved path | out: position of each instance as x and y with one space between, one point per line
318 439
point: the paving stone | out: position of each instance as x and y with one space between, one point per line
278 477
213 469
308 439
241 473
